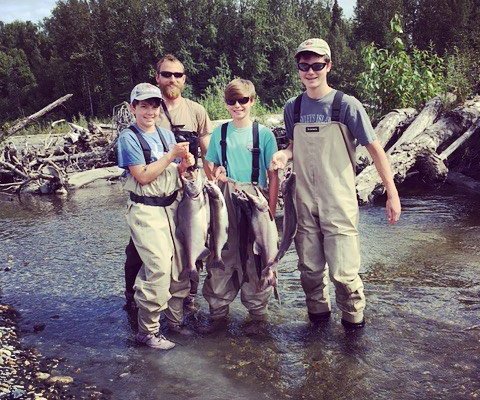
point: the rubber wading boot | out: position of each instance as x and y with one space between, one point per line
213 325
179 329
319 318
351 326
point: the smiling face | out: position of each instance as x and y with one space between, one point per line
239 111
146 112
314 80
171 86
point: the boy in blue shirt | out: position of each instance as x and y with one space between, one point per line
153 180
222 286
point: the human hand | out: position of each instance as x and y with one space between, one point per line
179 150
221 174
279 160
187 161
393 209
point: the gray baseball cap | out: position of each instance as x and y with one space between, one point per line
145 91
315 45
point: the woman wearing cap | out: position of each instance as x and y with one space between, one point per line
153 180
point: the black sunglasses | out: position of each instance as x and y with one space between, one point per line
241 100
168 74
305 67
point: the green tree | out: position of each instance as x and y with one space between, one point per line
395 78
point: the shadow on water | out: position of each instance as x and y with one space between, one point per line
65 270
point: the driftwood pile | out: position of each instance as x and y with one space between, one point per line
53 163
416 143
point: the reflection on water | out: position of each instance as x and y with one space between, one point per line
421 340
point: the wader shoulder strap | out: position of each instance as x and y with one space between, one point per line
147 151
223 145
296 109
337 106
162 139
255 154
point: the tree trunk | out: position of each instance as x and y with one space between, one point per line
426 118
25 121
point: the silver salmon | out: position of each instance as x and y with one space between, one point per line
193 215
218 223
265 236
287 188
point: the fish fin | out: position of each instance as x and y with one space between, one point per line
204 254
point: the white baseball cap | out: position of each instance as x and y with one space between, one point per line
145 91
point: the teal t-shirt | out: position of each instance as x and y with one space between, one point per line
239 151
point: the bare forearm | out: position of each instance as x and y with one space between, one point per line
383 168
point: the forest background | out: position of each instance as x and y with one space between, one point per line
391 53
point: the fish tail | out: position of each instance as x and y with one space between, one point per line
218 263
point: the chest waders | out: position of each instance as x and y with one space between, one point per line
324 161
151 218
222 286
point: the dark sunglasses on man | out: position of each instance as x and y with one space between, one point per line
242 101
168 74
305 67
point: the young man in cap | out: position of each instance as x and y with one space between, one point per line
324 126
153 180
189 121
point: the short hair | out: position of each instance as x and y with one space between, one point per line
152 101
168 57
311 54
239 88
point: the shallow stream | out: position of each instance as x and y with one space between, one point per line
64 261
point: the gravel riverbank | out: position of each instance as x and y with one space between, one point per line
26 374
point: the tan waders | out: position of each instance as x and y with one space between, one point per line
153 233
327 206
222 286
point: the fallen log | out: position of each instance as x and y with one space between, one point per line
427 117
25 121
80 179
457 143
404 157
391 125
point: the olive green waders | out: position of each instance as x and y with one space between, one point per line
153 232
324 159
222 286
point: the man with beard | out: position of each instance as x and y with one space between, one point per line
189 121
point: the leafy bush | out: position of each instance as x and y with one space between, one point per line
396 78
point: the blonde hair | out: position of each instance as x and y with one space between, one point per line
239 88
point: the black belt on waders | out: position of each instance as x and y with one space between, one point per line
157 201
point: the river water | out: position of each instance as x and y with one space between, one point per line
64 261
